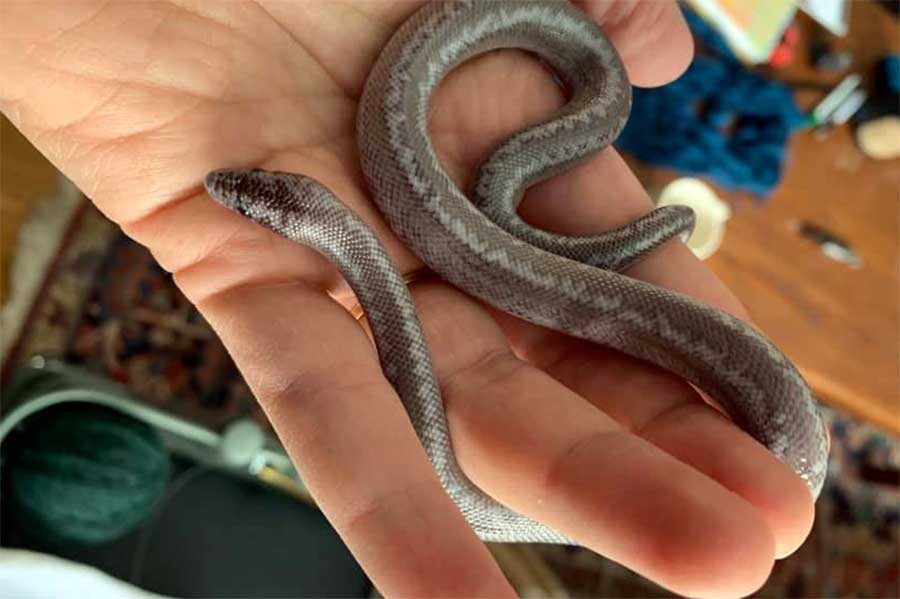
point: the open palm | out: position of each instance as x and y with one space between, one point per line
136 102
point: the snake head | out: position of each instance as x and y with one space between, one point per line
266 197
294 206
234 188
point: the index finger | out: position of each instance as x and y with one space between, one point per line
651 37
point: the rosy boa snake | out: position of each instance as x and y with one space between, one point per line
481 246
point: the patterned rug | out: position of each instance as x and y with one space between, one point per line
105 304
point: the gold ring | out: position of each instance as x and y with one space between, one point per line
417 275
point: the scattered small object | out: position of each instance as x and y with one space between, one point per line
711 212
825 58
878 121
784 53
833 15
242 441
844 112
832 246
824 110
848 107
880 138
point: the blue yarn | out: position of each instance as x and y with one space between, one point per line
891 68
717 120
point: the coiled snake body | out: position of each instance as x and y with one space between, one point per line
482 247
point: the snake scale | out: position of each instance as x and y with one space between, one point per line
478 243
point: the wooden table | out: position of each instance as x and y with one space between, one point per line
839 324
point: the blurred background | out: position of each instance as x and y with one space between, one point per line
130 443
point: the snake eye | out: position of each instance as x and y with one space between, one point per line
241 209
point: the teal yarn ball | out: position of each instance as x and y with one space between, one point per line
84 474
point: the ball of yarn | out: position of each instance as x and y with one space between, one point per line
718 119
85 474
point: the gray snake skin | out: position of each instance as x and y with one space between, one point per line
477 242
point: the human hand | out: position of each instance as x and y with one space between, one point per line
136 102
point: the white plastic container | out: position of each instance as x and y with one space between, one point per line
711 212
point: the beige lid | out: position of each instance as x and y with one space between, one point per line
711 212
